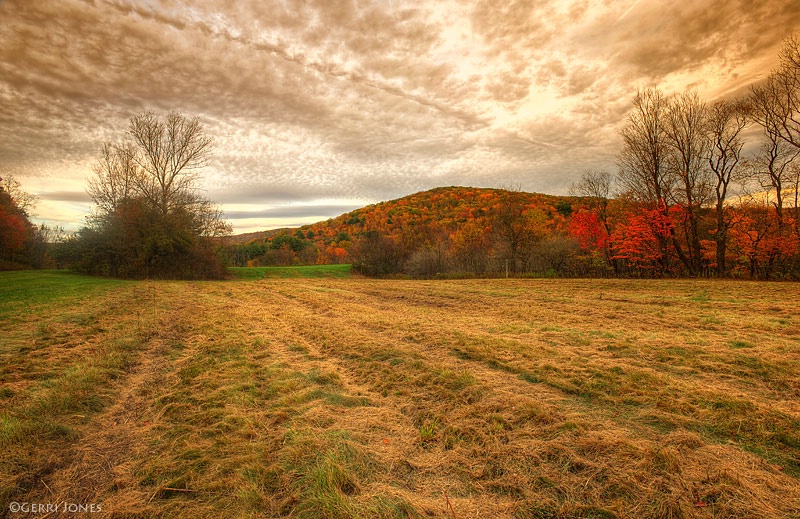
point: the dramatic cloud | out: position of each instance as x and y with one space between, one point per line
317 107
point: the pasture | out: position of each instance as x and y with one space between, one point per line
298 396
303 271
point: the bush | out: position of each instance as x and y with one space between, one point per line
428 262
555 256
376 255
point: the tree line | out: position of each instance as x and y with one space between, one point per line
686 200
681 161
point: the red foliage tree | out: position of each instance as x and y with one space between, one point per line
588 231
763 239
637 240
15 229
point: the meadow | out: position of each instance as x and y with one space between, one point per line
302 394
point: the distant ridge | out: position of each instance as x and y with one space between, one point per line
255 236
445 207
442 207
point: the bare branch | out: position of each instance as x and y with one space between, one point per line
172 151
643 159
115 176
24 201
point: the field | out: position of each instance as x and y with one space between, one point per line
297 396
304 271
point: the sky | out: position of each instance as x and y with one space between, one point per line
318 107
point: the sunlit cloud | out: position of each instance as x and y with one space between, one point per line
316 106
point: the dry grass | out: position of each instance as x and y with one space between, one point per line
358 398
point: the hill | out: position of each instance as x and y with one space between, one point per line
442 207
496 221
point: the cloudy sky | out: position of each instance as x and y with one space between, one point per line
317 107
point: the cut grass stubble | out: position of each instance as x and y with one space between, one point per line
359 398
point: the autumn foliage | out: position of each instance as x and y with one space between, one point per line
20 240
685 201
444 230
463 231
13 228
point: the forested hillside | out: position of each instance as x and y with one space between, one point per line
463 231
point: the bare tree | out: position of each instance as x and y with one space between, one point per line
688 138
23 200
152 220
643 159
208 220
786 81
795 193
597 187
726 121
772 165
170 154
644 162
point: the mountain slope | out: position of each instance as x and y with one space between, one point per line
472 223
445 208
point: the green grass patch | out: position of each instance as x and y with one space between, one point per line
28 289
302 271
